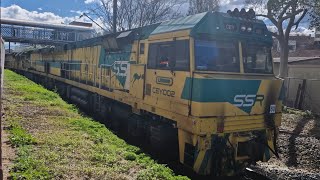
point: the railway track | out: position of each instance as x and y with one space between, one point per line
293 133
250 174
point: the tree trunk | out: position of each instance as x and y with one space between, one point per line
284 53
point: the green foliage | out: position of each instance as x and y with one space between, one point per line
158 172
129 156
19 137
27 166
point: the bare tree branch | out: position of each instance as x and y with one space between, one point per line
273 20
291 15
300 18
288 29
279 11
199 6
133 13
284 10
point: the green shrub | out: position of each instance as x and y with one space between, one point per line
130 156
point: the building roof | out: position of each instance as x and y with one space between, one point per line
297 59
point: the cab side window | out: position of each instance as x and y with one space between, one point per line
172 55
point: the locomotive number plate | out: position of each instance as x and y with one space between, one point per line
272 109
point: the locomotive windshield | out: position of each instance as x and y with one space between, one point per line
217 56
256 59
223 56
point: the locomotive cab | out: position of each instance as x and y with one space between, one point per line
217 70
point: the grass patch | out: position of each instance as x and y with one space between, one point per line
55 141
19 137
26 166
29 167
130 156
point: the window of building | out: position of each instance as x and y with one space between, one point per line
173 55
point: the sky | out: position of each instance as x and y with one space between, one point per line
63 8
65 11
53 11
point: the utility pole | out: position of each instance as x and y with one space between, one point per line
115 11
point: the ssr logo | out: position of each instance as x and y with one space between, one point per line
248 100
121 70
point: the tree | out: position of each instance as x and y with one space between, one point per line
199 6
133 13
284 15
315 16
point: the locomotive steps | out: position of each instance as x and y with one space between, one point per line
51 139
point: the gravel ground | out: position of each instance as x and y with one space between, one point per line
299 149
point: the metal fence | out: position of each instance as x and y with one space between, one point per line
303 94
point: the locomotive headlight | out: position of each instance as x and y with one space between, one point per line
249 29
243 28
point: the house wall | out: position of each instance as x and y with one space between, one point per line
311 61
297 73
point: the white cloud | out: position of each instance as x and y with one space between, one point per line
96 27
77 12
231 4
89 1
299 31
16 12
40 9
303 31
